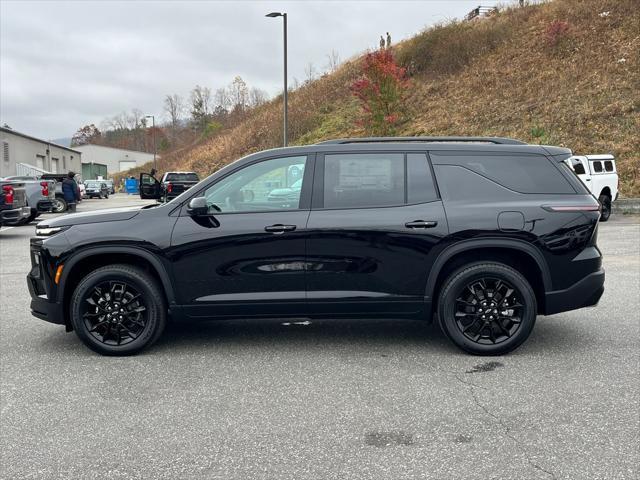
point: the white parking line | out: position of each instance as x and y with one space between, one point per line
4 229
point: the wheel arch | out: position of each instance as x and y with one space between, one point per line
90 259
515 253
606 191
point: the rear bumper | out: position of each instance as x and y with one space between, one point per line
14 215
45 205
585 293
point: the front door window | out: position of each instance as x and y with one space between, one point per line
270 185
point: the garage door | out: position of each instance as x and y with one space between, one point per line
127 164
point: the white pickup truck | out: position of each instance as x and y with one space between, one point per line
598 173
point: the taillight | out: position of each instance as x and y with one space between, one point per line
45 189
169 187
8 194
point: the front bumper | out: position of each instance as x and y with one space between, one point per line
585 293
14 215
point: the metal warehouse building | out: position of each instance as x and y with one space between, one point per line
26 155
116 159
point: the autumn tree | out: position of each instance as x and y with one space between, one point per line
174 108
381 90
200 106
85 135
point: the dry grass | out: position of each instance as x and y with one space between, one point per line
493 77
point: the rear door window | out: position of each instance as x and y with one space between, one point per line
364 180
608 166
578 166
597 167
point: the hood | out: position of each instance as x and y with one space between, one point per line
108 215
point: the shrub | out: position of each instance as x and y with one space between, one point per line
555 33
381 90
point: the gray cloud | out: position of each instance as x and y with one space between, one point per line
66 64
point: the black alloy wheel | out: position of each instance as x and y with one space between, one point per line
488 311
487 308
118 310
114 312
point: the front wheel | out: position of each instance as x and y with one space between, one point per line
605 202
487 308
118 310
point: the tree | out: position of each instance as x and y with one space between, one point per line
239 94
200 106
257 97
333 61
381 91
174 107
222 98
310 72
85 135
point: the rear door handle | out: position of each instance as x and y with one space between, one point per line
279 228
421 224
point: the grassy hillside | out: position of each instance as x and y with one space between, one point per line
504 76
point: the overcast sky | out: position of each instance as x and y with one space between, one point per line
67 64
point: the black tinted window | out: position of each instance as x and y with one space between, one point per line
420 186
608 166
578 167
520 173
182 177
597 167
363 180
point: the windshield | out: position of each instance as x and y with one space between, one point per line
182 177
92 184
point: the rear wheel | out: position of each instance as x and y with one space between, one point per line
118 310
59 205
487 308
605 202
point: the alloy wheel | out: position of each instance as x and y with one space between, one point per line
489 310
114 313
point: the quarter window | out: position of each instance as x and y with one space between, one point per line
608 166
364 180
270 185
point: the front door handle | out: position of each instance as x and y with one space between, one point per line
421 224
279 228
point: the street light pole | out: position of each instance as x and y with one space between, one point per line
286 91
153 125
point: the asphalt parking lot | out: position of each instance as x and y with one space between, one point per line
326 400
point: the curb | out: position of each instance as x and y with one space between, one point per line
626 205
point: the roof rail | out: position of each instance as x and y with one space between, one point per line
494 140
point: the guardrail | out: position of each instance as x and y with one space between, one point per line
626 206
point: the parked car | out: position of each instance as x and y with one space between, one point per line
96 189
13 203
174 183
40 195
599 174
478 234
110 186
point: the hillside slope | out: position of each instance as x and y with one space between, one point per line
497 76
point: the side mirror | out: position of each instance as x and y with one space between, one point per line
149 187
198 207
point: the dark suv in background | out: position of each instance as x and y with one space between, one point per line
481 234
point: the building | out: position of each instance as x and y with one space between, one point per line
116 159
26 155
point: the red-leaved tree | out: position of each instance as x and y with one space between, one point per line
381 91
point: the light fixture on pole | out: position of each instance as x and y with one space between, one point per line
284 18
153 125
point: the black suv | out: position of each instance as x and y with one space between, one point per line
480 234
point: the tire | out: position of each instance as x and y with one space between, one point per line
59 205
476 325
108 291
605 201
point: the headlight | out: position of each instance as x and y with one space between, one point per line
44 231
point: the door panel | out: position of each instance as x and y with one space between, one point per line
246 256
371 259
